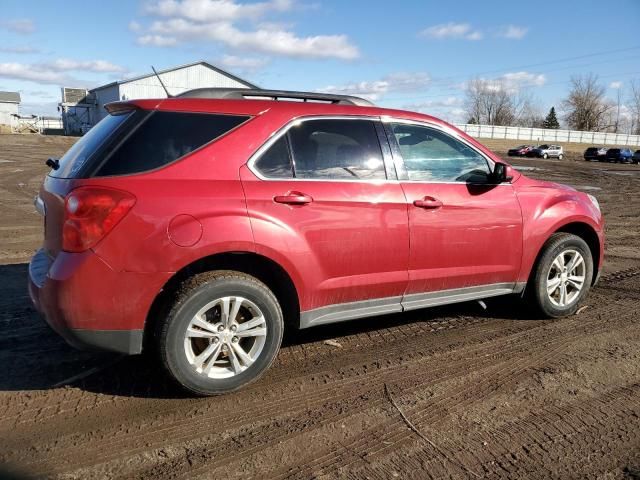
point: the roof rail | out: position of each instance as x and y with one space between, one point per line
247 93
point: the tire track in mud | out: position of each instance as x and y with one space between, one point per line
354 378
373 396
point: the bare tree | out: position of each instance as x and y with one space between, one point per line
586 107
634 105
494 102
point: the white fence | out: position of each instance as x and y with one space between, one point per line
34 124
538 135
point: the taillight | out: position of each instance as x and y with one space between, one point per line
90 213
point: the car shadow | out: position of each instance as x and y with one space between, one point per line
34 357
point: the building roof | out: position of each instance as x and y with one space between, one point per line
9 97
160 72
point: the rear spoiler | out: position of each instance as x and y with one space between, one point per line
117 108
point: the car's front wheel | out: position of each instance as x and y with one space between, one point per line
223 332
562 276
545 156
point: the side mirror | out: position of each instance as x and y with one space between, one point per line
499 174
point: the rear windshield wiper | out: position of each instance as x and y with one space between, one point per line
53 163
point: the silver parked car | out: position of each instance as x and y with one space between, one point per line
547 151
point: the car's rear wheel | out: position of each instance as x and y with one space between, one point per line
560 157
223 332
562 276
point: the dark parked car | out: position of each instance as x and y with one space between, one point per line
520 151
622 155
201 227
636 157
595 153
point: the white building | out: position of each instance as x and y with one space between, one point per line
9 103
81 109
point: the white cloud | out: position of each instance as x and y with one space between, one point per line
427 105
21 71
97 66
215 10
248 64
134 26
615 85
376 89
216 21
22 26
264 40
21 49
56 72
514 32
452 30
513 81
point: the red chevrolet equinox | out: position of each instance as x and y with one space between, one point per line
201 226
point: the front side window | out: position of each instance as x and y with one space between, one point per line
433 156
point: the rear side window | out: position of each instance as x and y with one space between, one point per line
162 138
325 150
337 149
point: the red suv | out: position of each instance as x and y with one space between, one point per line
204 225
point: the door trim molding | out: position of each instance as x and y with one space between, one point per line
369 308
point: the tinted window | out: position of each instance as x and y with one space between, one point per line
431 155
276 162
77 156
336 149
163 138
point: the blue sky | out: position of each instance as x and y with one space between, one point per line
409 54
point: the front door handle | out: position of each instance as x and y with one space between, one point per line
428 203
293 198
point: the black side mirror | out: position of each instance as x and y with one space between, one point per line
499 174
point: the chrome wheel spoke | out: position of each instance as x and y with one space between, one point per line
208 352
239 351
559 262
198 321
576 282
193 333
563 294
212 360
553 284
224 311
252 332
237 303
254 322
575 262
235 363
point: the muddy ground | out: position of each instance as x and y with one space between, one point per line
491 394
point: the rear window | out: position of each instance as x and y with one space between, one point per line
142 141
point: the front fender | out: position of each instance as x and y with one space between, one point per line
547 209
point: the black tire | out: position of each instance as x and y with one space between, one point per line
195 294
537 287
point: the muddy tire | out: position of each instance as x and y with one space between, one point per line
222 333
562 277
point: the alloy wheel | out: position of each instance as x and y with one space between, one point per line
566 278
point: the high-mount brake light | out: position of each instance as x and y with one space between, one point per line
90 213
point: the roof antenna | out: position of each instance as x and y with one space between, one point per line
160 80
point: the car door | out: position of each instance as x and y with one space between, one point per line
324 201
465 230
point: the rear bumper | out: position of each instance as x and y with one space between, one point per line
89 304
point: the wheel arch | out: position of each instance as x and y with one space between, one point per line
263 268
583 230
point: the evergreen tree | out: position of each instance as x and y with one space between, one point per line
551 121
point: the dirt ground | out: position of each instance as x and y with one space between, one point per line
494 393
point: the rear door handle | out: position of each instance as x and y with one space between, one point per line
293 198
428 203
